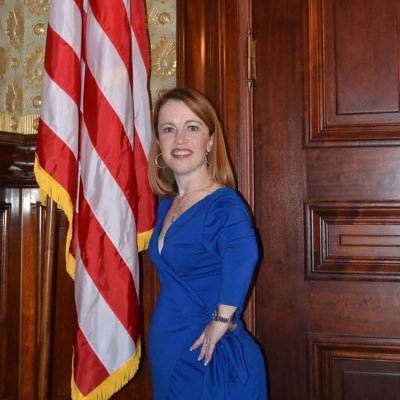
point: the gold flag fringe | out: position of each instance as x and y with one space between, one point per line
50 187
113 383
143 239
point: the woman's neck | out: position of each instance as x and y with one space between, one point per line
190 184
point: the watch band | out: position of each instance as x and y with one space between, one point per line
220 318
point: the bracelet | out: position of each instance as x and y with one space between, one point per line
219 318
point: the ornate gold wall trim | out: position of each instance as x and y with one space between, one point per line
26 124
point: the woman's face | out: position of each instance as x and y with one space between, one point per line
184 139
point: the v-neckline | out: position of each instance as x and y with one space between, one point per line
179 219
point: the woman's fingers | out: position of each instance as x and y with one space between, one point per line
198 342
208 340
207 348
209 353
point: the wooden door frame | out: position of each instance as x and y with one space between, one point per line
212 58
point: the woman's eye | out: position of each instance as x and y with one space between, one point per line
193 128
168 129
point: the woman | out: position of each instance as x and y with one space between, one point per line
205 252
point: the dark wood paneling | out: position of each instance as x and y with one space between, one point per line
297 44
16 160
357 52
18 292
355 382
208 61
353 240
28 293
10 294
353 368
281 299
354 72
191 44
4 273
353 173
63 317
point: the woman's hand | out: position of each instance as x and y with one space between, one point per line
209 338
213 332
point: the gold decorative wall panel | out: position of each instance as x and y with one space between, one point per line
162 30
23 27
21 63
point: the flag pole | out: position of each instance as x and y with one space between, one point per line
46 301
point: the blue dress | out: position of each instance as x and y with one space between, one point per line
208 258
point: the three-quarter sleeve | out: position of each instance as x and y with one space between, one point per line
228 232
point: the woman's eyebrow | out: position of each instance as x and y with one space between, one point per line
195 120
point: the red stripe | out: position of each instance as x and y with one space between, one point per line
57 159
63 66
138 21
89 370
111 16
79 4
84 25
109 139
108 270
146 199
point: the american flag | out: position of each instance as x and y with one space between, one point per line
91 158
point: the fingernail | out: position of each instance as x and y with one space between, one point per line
205 364
191 349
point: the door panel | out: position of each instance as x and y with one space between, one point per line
327 197
352 72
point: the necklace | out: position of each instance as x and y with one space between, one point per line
179 207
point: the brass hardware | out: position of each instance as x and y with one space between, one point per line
251 58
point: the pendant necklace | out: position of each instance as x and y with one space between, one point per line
180 208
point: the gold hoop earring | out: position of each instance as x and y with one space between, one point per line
156 162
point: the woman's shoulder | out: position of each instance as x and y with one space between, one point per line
228 195
227 218
226 200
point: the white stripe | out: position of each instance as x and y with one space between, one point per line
109 205
66 19
127 5
102 329
83 69
110 73
141 101
60 113
141 98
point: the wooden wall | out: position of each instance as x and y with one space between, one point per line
327 196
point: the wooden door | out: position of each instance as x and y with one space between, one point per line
327 197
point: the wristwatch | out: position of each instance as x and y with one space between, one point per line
220 318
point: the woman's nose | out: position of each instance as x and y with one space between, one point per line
180 135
